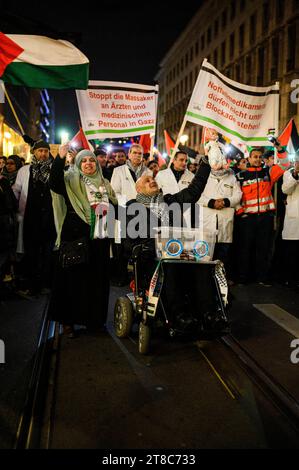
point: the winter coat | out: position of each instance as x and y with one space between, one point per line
169 185
123 184
225 187
20 189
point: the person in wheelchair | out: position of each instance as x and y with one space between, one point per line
158 205
179 304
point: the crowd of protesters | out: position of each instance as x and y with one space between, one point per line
50 203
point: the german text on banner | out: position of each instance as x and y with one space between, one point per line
116 109
236 110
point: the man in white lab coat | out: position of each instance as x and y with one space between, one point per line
124 177
290 233
177 177
221 195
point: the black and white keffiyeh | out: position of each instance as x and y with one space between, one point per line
41 169
157 205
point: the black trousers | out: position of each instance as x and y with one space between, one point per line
37 265
255 237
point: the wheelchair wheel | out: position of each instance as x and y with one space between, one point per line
123 317
144 338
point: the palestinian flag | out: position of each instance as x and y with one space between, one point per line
289 138
169 143
41 62
79 141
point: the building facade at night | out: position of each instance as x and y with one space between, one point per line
251 42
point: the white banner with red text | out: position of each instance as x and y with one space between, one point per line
239 111
116 109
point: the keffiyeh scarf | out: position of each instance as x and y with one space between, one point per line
157 205
40 169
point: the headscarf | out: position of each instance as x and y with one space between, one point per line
78 187
12 175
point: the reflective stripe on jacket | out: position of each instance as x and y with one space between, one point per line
256 187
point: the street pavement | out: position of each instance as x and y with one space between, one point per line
107 395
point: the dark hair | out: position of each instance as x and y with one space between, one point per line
178 152
152 161
17 160
256 149
3 158
268 154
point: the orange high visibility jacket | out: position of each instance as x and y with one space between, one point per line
256 187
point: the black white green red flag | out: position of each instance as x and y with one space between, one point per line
289 138
42 62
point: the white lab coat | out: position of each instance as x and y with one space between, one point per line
20 189
123 184
290 186
169 185
222 220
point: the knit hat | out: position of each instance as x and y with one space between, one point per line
40 144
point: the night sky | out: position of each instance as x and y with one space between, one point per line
124 41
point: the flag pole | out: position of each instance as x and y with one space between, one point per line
276 125
12 109
152 136
152 147
276 121
174 150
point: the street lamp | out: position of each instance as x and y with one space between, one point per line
184 138
64 136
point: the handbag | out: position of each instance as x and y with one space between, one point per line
74 253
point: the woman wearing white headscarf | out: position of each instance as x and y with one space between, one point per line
81 287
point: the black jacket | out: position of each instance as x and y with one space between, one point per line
8 209
189 195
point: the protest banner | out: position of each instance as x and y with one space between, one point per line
241 112
116 109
